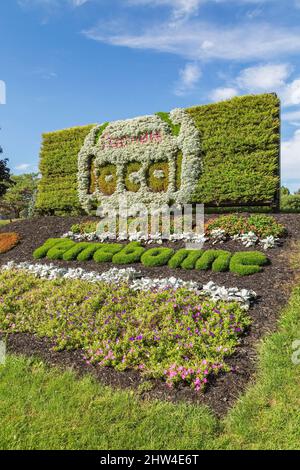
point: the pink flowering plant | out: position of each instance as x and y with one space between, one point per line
178 336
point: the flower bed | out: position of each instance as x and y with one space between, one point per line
171 334
257 229
243 263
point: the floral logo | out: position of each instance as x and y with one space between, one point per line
142 159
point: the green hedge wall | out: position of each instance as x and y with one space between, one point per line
241 148
240 142
57 192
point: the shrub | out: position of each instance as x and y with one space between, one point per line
131 253
59 249
84 227
180 340
88 252
247 262
177 258
57 190
240 141
42 251
217 260
106 252
157 256
190 260
8 241
290 203
75 251
185 259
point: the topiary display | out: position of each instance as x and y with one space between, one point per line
88 252
157 256
217 260
75 251
42 251
243 263
59 249
219 154
132 181
185 259
247 262
8 241
106 252
131 253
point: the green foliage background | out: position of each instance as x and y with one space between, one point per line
240 144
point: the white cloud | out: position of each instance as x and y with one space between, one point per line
291 93
180 8
2 92
22 167
188 78
50 3
291 116
196 40
269 77
290 157
221 94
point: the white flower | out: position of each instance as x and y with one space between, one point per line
135 281
159 174
269 242
131 146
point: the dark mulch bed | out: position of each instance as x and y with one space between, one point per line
273 286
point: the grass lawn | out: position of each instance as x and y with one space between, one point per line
42 408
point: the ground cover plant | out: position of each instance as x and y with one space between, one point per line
8 241
185 338
84 414
243 263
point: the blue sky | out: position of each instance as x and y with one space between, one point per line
73 62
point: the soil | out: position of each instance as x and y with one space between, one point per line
273 287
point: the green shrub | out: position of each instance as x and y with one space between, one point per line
59 249
185 259
240 142
217 260
88 253
72 254
157 256
290 203
42 251
131 253
244 262
247 262
178 258
191 259
57 189
106 252
89 226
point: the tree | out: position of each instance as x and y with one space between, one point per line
18 198
284 191
4 174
